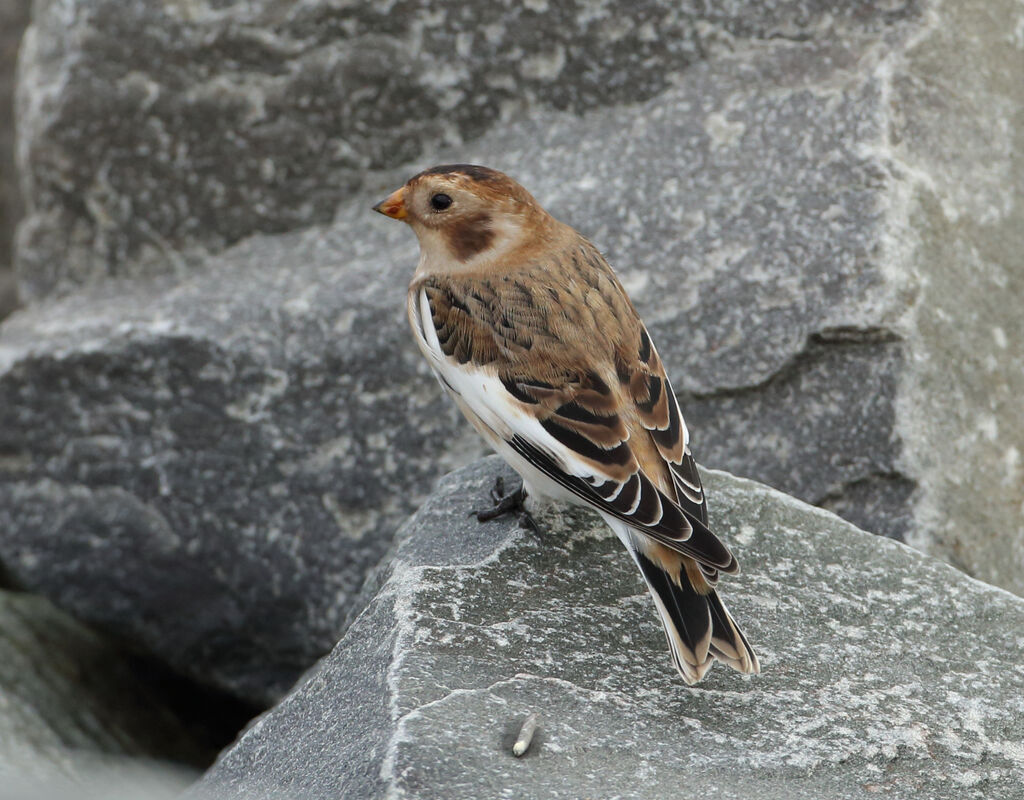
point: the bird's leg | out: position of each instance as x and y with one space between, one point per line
505 503
497 492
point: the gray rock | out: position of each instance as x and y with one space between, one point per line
14 16
108 781
155 130
73 707
884 670
209 471
227 449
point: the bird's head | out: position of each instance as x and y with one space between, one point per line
465 215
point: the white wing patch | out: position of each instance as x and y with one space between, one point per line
481 394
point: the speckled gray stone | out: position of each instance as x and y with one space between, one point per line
209 470
73 707
884 670
153 130
825 258
14 16
97 779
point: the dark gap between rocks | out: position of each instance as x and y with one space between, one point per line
213 719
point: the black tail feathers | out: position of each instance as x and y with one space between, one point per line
698 627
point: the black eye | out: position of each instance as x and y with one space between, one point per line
440 202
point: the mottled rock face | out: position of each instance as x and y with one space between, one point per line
243 457
822 245
154 130
13 19
72 707
883 670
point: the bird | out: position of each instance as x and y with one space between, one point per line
531 333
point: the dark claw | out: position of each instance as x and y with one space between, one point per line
512 501
527 522
505 503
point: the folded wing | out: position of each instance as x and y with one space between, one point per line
576 419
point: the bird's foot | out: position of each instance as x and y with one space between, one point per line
503 503
508 503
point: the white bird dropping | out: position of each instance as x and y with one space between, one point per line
525 736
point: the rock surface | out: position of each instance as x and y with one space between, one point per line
116 781
815 212
262 116
14 15
72 706
210 470
884 671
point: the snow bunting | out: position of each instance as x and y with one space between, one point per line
531 333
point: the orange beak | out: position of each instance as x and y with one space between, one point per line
394 206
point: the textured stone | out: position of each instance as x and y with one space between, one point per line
155 129
210 471
71 705
111 781
961 232
824 248
14 15
884 670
